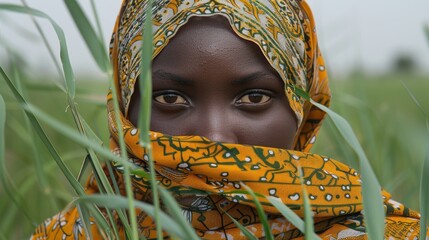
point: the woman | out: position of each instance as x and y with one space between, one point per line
226 78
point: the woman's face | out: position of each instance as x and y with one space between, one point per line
209 82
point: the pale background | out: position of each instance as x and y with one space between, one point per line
354 35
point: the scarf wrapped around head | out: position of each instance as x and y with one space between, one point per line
208 174
283 30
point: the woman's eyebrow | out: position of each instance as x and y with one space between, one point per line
254 77
167 76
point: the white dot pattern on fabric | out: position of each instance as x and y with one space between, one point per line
134 131
255 167
183 165
294 197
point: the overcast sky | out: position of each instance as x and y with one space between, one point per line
364 33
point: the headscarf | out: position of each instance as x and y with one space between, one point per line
210 173
284 31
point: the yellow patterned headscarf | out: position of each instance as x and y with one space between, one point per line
284 31
208 173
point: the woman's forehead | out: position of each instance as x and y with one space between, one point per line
207 50
209 39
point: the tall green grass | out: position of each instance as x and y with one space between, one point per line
388 127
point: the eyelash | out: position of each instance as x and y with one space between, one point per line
260 92
170 93
264 94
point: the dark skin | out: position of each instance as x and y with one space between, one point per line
210 82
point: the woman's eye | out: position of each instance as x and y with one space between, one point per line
254 98
170 98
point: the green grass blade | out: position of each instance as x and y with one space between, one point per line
83 167
34 143
101 177
88 33
115 182
170 225
244 230
48 47
372 199
67 68
88 158
133 231
38 162
114 225
98 23
417 103
85 217
308 216
145 81
140 173
424 181
73 135
177 215
145 84
38 129
90 133
261 213
90 144
16 198
424 197
287 213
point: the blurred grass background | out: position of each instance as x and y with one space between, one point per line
388 124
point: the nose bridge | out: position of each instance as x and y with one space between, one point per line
215 122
